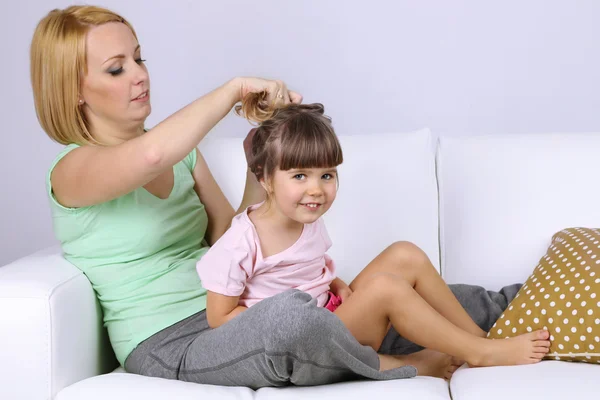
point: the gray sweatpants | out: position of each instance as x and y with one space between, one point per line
286 340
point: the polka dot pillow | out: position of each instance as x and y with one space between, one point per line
563 296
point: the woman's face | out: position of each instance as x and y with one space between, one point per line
116 89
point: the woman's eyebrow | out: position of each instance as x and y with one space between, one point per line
120 55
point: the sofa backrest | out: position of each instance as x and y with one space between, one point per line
387 193
503 197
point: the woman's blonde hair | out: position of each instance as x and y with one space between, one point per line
58 64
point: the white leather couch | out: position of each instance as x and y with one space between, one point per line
483 208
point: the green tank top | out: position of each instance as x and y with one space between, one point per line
139 252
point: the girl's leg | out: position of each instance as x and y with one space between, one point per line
483 306
387 297
428 363
412 264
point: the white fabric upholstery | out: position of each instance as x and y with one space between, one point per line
549 380
123 386
387 193
502 197
51 333
421 387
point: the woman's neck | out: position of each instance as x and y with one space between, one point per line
110 134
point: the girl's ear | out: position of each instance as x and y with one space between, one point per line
263 184
266 184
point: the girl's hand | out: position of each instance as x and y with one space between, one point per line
277 91
344 292
340 288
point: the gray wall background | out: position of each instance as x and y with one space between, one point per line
458 67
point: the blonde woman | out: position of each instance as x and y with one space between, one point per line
135 209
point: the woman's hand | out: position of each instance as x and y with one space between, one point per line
277 91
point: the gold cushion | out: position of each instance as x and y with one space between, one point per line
562 295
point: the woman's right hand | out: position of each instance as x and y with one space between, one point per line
277 90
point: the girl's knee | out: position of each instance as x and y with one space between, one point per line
408 254
406 249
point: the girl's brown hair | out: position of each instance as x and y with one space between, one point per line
294 136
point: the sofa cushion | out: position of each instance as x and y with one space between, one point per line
420 387
502 197
387 193
120 385
548 380
562 295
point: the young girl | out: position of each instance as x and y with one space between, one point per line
281 244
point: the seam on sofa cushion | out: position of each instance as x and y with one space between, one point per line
438 178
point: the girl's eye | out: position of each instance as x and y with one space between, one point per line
327 177
299 176
140 61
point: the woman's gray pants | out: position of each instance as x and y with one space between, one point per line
287 340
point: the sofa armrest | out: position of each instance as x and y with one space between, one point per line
51 332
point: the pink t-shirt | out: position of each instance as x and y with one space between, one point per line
234 265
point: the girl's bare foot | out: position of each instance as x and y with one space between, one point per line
428 363
529 348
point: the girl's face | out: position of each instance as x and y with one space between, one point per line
303 195
116 87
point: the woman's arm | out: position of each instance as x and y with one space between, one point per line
253 192
221 308
219 210
94 174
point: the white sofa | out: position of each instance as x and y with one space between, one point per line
482 207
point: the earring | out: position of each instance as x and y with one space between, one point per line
80 101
